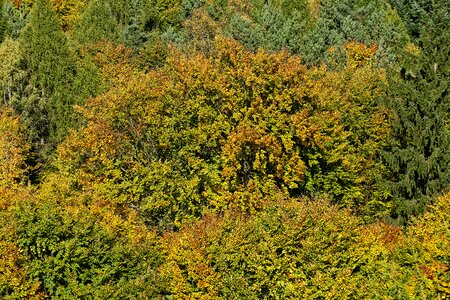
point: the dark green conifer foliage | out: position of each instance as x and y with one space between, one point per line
369 22
13 19
134 33
419 156
414 14
50 66
311 29
46 50
272 25
98 24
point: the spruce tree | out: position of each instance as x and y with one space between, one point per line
419 155
134 33
270 25
98 23
13 19
50 66
369 22
414 14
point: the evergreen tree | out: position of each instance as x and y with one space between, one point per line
419 155
270 25
311 29
134 33
369 22
12 19
98 23
50 66
414 14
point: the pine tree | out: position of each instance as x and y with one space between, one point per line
419 155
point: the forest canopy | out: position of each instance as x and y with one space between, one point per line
239 149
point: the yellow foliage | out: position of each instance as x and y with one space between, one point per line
13 277
430 234
359 54
190 275
314 6
13 149
68 11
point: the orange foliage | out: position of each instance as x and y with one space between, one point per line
238 129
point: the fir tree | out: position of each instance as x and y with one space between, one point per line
414 14
419 155
369 22
98 23
270 25
13 19
134 33
50 65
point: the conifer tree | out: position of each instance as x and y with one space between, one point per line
270 25
98 23
414 14
419 155
13 20
368 22
50 66
134 33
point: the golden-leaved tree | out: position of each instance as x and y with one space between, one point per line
13 170
237 129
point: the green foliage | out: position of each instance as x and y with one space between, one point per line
196 140
97 23
11 76
50 67
84 252
153 54
45 49
345 162
134 33
13 20
369 22
414 14
271 26
235 130
308 28
419 156
167 12
87 81
290 250
129 22
14 282
3 24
